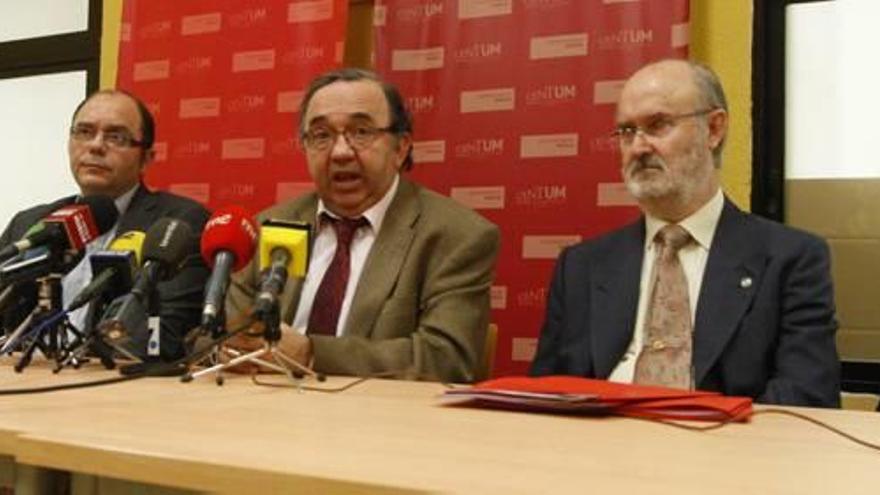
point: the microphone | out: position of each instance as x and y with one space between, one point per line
283 252
166 247
69 227
115 269
228 244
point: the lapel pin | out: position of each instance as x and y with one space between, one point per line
745 282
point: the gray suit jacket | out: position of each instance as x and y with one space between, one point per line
180 298
764 323
421 307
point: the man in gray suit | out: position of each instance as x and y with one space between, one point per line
760 317
412 269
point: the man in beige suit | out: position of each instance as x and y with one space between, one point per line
417 271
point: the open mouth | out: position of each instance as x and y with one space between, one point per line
346 179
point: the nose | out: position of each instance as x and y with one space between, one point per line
640 144
341 149
96 143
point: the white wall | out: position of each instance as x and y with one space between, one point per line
34 18
833 83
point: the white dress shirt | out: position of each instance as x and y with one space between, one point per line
322 254
701 226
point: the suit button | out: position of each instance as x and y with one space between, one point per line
745 282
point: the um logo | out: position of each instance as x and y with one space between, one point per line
420 104
551 93
420 12
542 196
625 38
478 51
480 147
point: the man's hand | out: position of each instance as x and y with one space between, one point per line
292 343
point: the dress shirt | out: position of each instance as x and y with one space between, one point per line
323 250
701 226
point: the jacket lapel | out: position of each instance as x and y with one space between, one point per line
731 279
139 211
385 260
615 297
308 214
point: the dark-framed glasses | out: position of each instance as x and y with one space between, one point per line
359 137
658 127
114 138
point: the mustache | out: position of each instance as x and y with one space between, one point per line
645 161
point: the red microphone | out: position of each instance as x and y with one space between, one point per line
70 227
228 244
78 224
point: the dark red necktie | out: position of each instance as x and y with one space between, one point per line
328 300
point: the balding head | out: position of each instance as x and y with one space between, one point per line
671 123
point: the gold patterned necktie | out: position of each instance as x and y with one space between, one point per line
665 359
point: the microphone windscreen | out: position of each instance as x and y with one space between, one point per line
133 241
169 241
103 211
290 236
229 229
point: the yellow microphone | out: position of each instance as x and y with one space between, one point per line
133 241
284 248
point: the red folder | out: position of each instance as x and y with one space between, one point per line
576 395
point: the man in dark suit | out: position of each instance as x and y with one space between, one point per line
758 297
111 143
415 298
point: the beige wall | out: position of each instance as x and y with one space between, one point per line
721 37
845 213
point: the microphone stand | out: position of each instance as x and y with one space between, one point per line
52 328
270 320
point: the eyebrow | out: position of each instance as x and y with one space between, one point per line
113 128
321 119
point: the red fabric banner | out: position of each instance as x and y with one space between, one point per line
224 80
514 105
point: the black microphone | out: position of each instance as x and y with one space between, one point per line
166 247
115 269
70 227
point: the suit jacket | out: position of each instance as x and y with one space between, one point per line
764 324
421 306
180 298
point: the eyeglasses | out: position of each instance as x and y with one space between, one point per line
114 138
659 127
359 137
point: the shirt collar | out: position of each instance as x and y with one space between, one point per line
700 225
374 214
124 200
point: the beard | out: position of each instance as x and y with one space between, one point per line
650 177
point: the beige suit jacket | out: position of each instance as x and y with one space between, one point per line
421 306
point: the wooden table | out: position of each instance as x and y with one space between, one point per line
392 436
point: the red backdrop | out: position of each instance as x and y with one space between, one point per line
224 80
513 103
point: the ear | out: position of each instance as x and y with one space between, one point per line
718 123
404 143
147 157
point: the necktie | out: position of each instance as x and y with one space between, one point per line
324 315
665 359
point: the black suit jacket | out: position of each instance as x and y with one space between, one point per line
764 323
180 298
